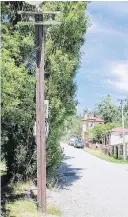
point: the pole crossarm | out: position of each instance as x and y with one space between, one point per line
44 23
38 12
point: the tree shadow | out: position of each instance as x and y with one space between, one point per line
8 195
68 157
68 174
6 191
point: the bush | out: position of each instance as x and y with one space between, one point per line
62 52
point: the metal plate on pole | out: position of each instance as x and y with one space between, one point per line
46 104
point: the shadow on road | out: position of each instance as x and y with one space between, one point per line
68 157
68 174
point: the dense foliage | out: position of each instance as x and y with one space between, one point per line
73 126
62 53
99 130
107 110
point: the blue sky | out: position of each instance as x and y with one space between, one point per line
104 60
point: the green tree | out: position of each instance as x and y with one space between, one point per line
126 112
17 117
62 58
99 130
63 51
73 126
108 111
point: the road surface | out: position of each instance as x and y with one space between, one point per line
91 187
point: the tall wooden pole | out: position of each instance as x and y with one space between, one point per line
122 114
122 101
40 111
40 118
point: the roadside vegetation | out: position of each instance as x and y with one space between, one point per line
72 127
16 201
102 156
2 168
62 60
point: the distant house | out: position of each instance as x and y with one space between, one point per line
114 140
88 122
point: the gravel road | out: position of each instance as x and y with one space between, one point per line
91 187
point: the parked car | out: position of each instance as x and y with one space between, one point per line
79 144
72 141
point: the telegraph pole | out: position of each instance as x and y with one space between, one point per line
122 118
40 117
122 115
40 111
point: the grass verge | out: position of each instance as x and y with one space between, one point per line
2 168
26 208
101 155
17 204
22 208
51 209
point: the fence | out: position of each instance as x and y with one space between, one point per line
113 150
117 150
105 149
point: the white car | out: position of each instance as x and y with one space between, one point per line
72 141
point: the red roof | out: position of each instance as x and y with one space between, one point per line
120 130
94 118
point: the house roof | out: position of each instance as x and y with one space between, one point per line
93 118
119 130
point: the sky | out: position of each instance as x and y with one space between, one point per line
104 59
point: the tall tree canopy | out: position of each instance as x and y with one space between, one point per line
126 110
62 54
108 111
